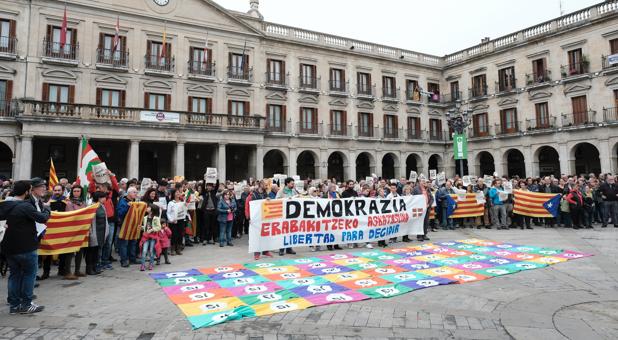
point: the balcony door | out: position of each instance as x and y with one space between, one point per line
580 108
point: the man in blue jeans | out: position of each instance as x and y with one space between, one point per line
21 242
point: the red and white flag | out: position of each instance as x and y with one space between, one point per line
63 28
116 41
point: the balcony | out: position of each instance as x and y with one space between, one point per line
338 88
157 66
276 81
309 129
477 92
414 135
436 136
54 54
540 125
7 48
7 108
391 133
367 132
450 98
479 132
610 62
510 128
309 85
574 70
610 114
112 60
201 70
239 75
434 98
278 127
365 91
534 79
413 98
503 88
390 95
579 119
49 111
340 131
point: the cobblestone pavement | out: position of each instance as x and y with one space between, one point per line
575 300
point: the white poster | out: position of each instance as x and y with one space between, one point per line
211 175
413 176
287 223
503 196
146 184
279 179
487 180
466 181
298 184
432 174
369 181
159 117
461 194
441 178
238 190
508 187
100 173
480 198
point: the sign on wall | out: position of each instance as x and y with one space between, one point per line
159 117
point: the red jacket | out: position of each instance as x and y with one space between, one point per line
575 197
109 202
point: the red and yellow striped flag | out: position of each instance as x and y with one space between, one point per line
272 209
528 203
432 213
133 221
468 208
53 178
67 232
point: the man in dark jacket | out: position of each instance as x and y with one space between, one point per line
349 190
20 245
210 228
56 203
609 194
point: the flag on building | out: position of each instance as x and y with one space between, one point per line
163 43
116 41
67 232
88 160
469 207
64 28
535 204
133 221
53 178
205 56
451 206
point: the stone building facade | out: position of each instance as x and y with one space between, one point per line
189 85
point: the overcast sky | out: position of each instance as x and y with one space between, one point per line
435 27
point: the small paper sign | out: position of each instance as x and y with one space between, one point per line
480 198
279 179
100 173
466 181
369 181
162 203
298 184
441 178
508 187
503 196
238 190
413 176
146 184
211 175
432 174
488 179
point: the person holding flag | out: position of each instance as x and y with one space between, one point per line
498 210
447 205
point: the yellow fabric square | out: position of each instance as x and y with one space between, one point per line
351 261
212 306
276 270
548 260
281 306
342 277
439 271
430 257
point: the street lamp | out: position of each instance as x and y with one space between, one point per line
459 120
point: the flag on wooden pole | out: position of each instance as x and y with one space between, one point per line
88 160
64 28
67 232
53 178
164 43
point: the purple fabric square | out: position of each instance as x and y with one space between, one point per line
401 262
326 288
176 274
232 275
330 270
418 266
417 253
316 265
427 282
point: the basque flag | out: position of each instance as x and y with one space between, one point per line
553 205
451 205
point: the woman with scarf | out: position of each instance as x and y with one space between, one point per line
98 232
76 201
177 219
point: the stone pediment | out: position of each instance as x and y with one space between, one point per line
390 107
507 101
276 96
338 102
539 95
611 81
200 88
62 74
238 93
308 100
365 105
479 107
413 110
435 113
576 88
6 69
160 84
110 79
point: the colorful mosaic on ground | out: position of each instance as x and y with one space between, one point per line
210 296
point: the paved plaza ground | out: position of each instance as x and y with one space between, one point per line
574 300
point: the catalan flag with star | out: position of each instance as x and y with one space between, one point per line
535 204
67 232
132 221
272 209
468 207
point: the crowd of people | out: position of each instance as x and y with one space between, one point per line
183 214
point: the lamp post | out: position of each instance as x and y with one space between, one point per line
459 120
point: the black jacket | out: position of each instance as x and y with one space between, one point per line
20 235
349 193
609 191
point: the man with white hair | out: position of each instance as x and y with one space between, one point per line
126 248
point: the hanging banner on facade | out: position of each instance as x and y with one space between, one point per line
612 59
159 117
287 223
460 146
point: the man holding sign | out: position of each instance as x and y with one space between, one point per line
288 191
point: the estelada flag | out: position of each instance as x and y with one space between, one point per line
468 207
53 178
67 232
132 221
528 203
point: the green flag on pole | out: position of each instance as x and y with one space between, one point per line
460 146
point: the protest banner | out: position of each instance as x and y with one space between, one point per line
413 176
100 173
310 222
210 176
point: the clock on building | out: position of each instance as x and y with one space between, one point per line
161 2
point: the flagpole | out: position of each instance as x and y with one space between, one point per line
242 62
79 155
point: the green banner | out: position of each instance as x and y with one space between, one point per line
460 146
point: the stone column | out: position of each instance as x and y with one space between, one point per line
25 158
532 167
605 156
565 159
179 159
292 162
499 163
322 164
221 162
350 172
133 160
259 162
